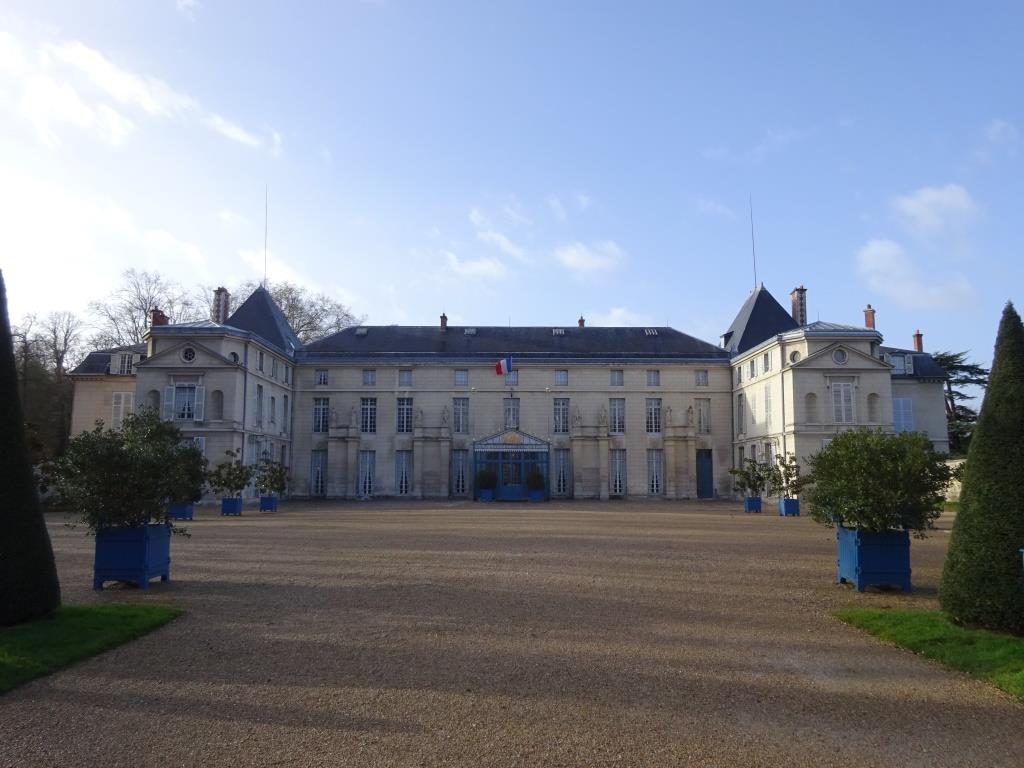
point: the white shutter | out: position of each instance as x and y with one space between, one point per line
200 407
168 410
129 402
200 443
910 363
848 403
116 410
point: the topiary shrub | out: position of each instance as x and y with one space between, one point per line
982 582
752 478
231 477
271 477
29 588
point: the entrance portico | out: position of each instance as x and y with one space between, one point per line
514 457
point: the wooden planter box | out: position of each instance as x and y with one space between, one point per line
873 559
231 505
789 507
752 504
132 554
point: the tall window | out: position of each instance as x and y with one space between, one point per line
318 473
403 472
287 375
561 416
367 469
185 402
460 468
284 413
512 379
460 415
461 377
259 405
125 365
511 412
321 377
842 402
368 415
752 368
899 364
273 367
903 414
741 414
768 406
653 421
121 405
617 472
617 378
321 411
369 377
273 410
655 472
654 378
259 359
739 374
561 378
766 362
700 377
703 415
617 415
405 377
404 423
563 476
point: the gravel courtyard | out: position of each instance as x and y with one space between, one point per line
437 634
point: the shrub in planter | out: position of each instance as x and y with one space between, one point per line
120 484
751 481
486 482
785 482
536 485
229 479
271 481
877 489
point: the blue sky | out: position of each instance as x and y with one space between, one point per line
524 162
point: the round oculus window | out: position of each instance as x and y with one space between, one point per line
234 357
794 357
840 356
188 354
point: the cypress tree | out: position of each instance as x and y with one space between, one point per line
28 575
983 581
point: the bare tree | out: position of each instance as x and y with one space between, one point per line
59 342
124 318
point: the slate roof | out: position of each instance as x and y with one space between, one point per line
493 342
259 314
97 363
760 318
925 366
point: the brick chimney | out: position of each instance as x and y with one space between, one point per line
582 322
869 317
918 341
156 317
221 306
444 323
798 297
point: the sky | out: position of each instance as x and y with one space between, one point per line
523 163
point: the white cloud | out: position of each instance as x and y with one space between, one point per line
557 209
483 268
934 210
890 271
277 268
230 130
619 316
709 207
46 104
478 219
503 244
1000 137
583 259
187 7
583 201
12 54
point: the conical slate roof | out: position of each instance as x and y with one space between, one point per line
760 318
259 314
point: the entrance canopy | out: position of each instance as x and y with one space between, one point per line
511 440
514 457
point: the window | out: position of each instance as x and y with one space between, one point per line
511 412
368 415
259 359
259 405
561 426
654 378
703 415
700 378
188 354
273 367
512 379
321 410
655 472
653 420
287 374
739 457
121 405
563 474
617 473
903 414
405 377
460 468
460 415
273 410
741 415
899 364
794 357
561 378
768 406
617 377
404 423
769 453
811 408
752 408
321 377
766 362
369 377
462 377
125 366
185 402
199 443
367 468
617 415
842 402
284 413
739 374
216 405
403 472
752 369
840 356
318 473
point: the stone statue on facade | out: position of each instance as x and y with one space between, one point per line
689 416
353 417
602 417
577 417
334 417
417 418
668 416
444 417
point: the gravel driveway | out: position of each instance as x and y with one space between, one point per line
436 634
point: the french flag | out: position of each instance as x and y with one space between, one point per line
503 366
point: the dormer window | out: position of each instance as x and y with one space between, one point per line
125 365
899 364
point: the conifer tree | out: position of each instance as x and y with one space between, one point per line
28 575
983 582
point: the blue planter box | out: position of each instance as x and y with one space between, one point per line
537 495
180 511
132 554
486 494
752 504
873 559
268 503
789 507
231 505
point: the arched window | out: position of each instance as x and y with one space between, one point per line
874 408
811 408
153 400
216 405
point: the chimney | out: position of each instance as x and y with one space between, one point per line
156 317
918 341
444 322
798 297
582 322
869 317
221 306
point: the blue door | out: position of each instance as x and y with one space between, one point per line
705 475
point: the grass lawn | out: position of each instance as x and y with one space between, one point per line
991 656
951 506
73 633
